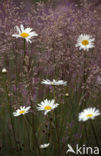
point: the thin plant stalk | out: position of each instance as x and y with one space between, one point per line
84 80
86 134
24 48
16 70
28 133
56 128
27 120
10 108
95 135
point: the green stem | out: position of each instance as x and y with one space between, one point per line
84 80
16 83
86 133
24 48
45 152
28 133
54 92
95 135
9 107
27 120
56 127
10 111
83 96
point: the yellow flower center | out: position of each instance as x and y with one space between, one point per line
24 34
47 107
52 83
22 111
85 42
89 115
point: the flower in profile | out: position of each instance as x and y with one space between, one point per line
54 82
21 111
44 145
47 106
89 113
25 33
85 42
4 70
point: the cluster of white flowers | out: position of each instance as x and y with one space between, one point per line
46 105
84 42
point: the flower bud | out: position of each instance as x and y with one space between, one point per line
4 70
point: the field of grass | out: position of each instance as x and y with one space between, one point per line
50 78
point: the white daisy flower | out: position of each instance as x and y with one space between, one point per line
25 33
89 113
44 145
85 42
54 82
21 111
47 106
